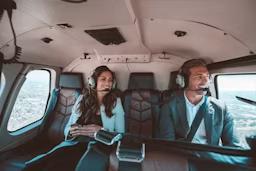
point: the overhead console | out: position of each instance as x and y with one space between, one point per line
108 36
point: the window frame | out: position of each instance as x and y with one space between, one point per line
217 91
17 93
2 83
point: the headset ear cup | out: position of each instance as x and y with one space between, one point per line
91 82
180 80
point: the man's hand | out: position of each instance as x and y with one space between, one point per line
87 130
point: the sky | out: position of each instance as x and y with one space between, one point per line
237 82
38 75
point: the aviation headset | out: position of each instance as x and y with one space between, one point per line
92 79
182 78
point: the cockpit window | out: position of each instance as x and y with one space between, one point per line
239 93
31 101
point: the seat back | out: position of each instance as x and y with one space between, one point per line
141 105
172 81
173 86
141 80
142 112
70 87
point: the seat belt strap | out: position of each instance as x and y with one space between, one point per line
197 120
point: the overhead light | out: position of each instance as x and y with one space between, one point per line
164 56
180 33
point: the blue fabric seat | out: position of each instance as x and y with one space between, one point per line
57 114
173 86
141 104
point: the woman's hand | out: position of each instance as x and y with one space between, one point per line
87 130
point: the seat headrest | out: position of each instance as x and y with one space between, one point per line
71 80
141 80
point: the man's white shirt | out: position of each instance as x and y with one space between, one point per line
191 111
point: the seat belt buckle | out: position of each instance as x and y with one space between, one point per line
106 137
130 152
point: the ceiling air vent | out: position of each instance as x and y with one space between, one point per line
65 25
46 39
108 36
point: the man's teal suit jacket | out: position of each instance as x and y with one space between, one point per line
218 121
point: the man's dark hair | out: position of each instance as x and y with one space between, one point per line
190 64
184 71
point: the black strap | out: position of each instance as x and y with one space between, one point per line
197 120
